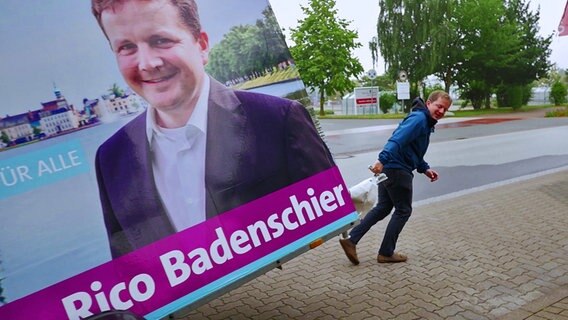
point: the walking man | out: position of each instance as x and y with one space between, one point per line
403 153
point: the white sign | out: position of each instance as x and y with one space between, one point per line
403 90
372 74
366 96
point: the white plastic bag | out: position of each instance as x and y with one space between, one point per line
365 194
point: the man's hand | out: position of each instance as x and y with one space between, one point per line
377 167
433 175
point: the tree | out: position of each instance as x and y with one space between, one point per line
531 60
482 45
403 40
36 131
558 93
5 138
116 90
489 43
503 51
249 50
445 42
421 38
386 101
322 50
384 82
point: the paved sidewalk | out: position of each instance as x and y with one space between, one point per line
500 253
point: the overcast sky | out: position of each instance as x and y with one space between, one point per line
47 42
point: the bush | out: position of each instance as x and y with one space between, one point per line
510 96
386 101
558 93
527 93
557 112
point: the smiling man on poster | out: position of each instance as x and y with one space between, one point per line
200 149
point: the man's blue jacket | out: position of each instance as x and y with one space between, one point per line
407 146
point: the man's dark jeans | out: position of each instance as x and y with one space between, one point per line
395 192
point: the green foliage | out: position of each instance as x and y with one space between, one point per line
418 37
510 96
531 59
300 96
397 44
527 93
386 101
553 75
272 77
557 112
249 50
323 50
116 90
384 82
503 48
478 44
5 138
558 93
475 91
429 89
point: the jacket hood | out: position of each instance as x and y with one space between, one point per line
419 105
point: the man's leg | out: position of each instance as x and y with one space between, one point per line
400 191
378 213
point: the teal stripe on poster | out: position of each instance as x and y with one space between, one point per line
249 269
39 168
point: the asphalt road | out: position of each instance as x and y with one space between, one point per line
468 153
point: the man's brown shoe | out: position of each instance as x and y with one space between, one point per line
396 257
350 250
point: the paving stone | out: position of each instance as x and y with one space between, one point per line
480 256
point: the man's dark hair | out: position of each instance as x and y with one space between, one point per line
187 10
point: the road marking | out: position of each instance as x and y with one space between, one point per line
444 121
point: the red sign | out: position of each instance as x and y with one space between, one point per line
366 100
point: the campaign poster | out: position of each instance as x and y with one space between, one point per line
152 153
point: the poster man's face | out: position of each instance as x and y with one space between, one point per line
157 54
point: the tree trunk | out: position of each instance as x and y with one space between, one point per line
322 96
488 101
447 82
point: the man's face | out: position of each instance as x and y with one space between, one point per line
157 54
438 108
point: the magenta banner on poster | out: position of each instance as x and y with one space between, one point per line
154 277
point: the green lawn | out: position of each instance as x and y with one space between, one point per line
458 113
273 77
